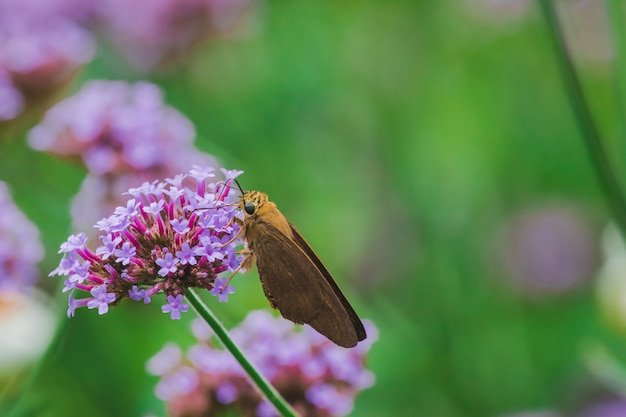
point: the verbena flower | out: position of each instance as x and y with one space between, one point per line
41 48
124 135
317 377
114 127
35 10
151 32
20 247
145 250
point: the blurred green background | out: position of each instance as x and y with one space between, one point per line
399 137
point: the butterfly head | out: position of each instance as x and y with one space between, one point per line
252 201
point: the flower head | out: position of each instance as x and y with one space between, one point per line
151 32
316 376
115 127
41 47
144 250
124 134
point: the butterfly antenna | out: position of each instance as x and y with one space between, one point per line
239 185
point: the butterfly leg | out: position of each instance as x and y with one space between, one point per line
246 263
241 231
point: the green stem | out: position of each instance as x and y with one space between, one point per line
590 133
615 12
220 331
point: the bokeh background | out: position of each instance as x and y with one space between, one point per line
428 152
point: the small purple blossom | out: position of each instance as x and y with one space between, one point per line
109 245
174 192
101 299
154 208
79 272
209 247
137 294
168 264
180 226
282 354
125 253
131 209
175 306
186 255
221 290
73 242
73 304
143 254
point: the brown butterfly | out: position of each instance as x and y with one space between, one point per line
293 278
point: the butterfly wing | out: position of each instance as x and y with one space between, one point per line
306 248
299 286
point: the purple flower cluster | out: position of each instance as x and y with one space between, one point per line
169 236
150 32
317 377
41 47
20 247
124 134
115 127
43 44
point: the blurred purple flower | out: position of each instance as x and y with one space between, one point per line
124 134
549 249
12 102
36 10
282 354
41 47
115 127
48 51
167 360
150 32
143 243
20 247
613 407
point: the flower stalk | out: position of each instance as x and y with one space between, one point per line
590 133
220 331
